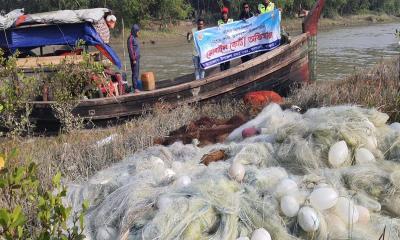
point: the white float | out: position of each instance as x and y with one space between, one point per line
371 142
261 234
169 173
369 203
395 178
308 219
338 154
395 126
346 210
286 187
323 198
163 203
289 206
364 156
337 228
364 215
237 171
177 166
183 181
157 162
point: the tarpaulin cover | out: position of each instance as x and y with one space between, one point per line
28 38
9 19
240 38
17 17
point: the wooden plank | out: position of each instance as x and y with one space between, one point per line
35 62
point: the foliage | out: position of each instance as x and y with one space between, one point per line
21 194
68 82
16 90
292 7
138 11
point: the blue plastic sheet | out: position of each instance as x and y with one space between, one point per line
27 38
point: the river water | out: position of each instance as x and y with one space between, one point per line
340 52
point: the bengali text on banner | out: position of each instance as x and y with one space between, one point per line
240 38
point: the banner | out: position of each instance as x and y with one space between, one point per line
240 38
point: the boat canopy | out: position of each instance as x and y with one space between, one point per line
49 30
17 17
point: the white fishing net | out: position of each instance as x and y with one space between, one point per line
290 181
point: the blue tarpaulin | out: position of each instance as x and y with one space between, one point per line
27 38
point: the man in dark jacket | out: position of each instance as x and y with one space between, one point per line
246 14
134 56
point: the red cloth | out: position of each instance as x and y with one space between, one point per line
262 98
224 10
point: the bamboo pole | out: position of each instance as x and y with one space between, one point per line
123 40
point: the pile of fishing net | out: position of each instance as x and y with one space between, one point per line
331 173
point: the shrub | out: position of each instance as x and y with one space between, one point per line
15 91
22 194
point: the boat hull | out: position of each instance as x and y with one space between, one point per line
279 70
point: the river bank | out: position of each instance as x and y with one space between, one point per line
345 21
172 32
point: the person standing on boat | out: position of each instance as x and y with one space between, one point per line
225 20
244 15
268 6
134 57
265 7
246 12
199 72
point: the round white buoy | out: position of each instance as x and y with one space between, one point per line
169 173
323 198
338 154
163 203
346 210
395 126
177 166
289 206
337 228
237 171
364 156
183 181
157 162
261 234
371 142
286 187
308 219
364 215
369 203
395 178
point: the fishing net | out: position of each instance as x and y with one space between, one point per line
264 182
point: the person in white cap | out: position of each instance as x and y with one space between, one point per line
104 25
111 20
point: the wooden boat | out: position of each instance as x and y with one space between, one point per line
279 70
